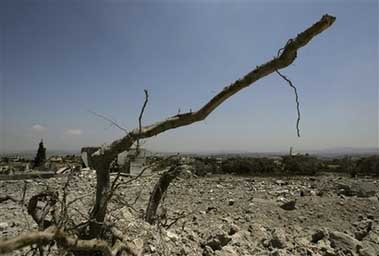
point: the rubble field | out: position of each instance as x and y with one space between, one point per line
225 214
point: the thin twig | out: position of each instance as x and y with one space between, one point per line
140 116
112 122
297 101
293 87
182 215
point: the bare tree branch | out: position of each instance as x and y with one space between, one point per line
286 57
103 158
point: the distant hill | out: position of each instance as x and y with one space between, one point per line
340 151
328 152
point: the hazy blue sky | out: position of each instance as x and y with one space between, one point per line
60 59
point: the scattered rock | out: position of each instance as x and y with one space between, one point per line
347 190
138 245
208 251
210 208
237 218
126 214
278 239
302 218
281 182
227 251
289 206
318 235
370 217
344 242
233 229
217 241
3 226
172 236
152 248
363 228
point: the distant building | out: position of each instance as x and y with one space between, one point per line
133 162
130 161
86 155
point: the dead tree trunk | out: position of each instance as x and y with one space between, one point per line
99 211
159 190
102 160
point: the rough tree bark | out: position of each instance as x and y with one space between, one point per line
102 160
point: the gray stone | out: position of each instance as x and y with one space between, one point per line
233 229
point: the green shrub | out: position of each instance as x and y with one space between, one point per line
301 165
245 165
368 165
202 166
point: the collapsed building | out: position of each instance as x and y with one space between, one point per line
130 162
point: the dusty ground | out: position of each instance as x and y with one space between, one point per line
229 215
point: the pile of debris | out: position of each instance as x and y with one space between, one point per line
223 214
